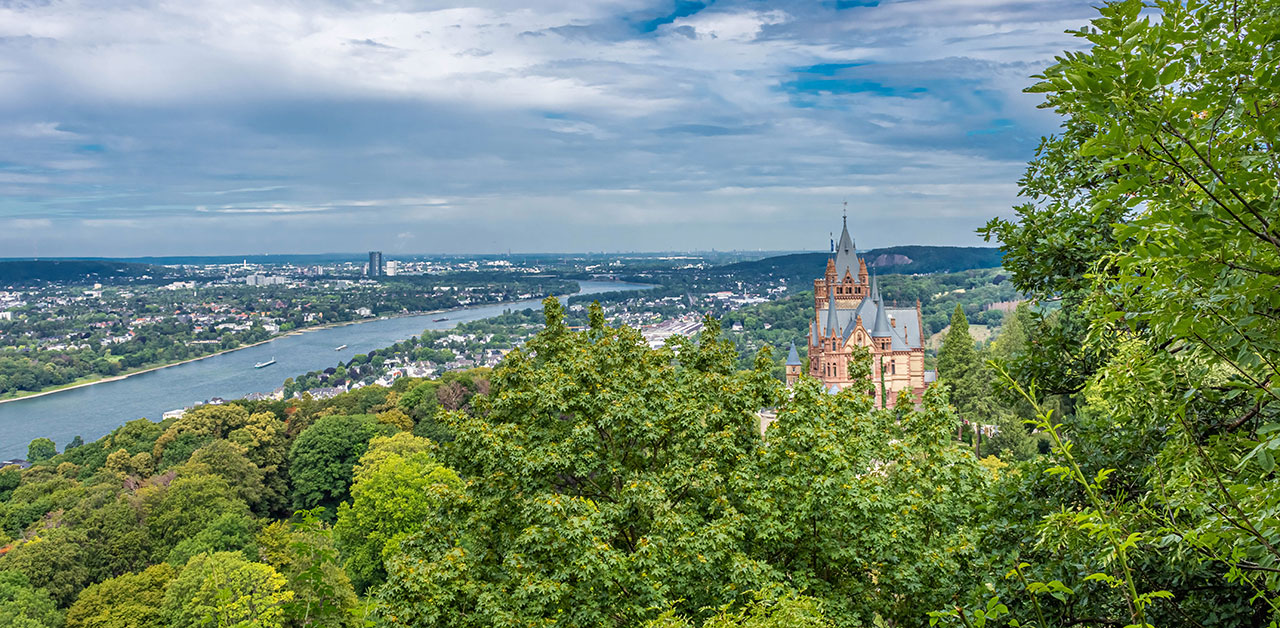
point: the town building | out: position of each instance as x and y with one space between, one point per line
849 312
376 268
264 280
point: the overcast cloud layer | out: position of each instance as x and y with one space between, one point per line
203 126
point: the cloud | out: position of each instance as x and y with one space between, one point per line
41 130
267 188
522 125
29 224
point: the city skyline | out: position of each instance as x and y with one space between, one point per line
629 125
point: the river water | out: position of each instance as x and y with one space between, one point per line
93 411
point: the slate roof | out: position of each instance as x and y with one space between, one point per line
905 331
881 328
793 357
833 318
846 255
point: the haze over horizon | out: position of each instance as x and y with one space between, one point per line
199 128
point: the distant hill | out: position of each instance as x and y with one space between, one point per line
25 272
895 259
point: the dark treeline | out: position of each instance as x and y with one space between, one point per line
31 272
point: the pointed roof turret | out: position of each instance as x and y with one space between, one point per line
833 323
881 328
846 260
793 357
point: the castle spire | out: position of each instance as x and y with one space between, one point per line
881 329
793 357
833 326
846 253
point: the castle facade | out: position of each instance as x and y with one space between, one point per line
849 312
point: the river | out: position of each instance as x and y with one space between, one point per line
93 411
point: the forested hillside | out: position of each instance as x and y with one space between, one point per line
788 318
799 267
1107 462
24 272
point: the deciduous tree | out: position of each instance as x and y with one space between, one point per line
25 606
224 589
323 457
41 449
398 486
132 600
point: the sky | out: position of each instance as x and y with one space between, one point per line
186 127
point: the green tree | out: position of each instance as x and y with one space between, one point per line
261 434
117 541
223 589
957 354
230 532
849 502
788 611
133 600
398 486
54 561
397 418
10 478
41 449
25 606
303 551
1152 216
607 482
323 456
188 505
599 477
1013 338
230 462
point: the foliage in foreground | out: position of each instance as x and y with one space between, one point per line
607 483
595 481
1153 217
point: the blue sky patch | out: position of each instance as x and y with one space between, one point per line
683 8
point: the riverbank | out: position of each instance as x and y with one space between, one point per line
128 374
94 411
293 332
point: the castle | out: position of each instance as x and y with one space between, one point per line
848 311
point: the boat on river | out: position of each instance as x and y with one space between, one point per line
340 348
93 411
261 365
440 320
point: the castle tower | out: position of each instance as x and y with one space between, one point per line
793 365
846 300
